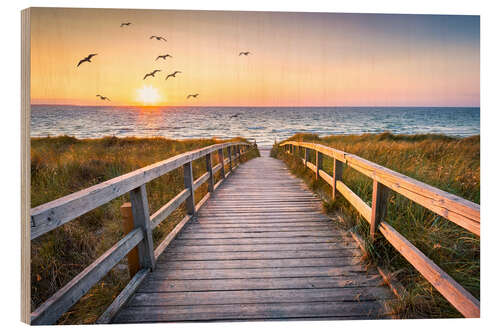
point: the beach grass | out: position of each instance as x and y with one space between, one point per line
63 165
450 164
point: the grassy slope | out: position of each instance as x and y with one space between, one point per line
63 165
446 163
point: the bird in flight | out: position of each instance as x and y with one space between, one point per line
192 95
125 24
158 38
244 53
87 58
164 57
103 98
172 74
151 74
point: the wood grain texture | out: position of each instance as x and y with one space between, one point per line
260 248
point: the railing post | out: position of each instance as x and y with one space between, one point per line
221 161
230 158
188 184
208 159
337 175
319 163
379 206
306 156
127 227
140 213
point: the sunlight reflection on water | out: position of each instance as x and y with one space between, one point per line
263 124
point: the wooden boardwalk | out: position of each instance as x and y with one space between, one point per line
259 249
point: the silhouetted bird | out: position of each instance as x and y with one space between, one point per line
192 95
102 97
87 58
172 74
158 38
164 57
244 53
235 115
151 74
125 24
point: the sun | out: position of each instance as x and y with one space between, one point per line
148 95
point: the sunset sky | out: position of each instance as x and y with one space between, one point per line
297 59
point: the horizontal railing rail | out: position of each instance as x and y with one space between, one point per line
453 208
51 215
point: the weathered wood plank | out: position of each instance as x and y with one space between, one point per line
140 212
457 295
363 280
259 263
263 247
171 235
366 309
161 214
123 297
380 194
355 294
188 184
263 255
64 298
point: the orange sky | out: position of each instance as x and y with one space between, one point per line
298 59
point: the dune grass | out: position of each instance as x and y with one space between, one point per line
447 163
63 165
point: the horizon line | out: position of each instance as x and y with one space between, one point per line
263 106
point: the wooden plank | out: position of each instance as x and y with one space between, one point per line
355 294
260 234
319 163
282 240
188 184
460 298
201 180
161 214
217 168
366 309
356 201
64 298
128 226
50 215
263 255
140 212
123 297
220 155
171 235
263 247
208 163
230 156
380 194
260 263
364 280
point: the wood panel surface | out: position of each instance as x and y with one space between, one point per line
260 248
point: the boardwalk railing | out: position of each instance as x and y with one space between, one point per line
54 214
455 209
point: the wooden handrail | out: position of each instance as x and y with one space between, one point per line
53 214
458 210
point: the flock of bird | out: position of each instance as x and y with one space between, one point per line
152 74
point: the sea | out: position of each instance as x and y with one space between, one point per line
263 124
